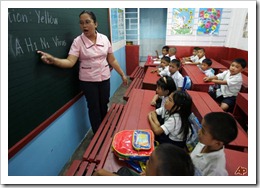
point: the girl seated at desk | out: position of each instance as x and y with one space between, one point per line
176 126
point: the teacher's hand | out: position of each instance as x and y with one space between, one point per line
46 58
125 80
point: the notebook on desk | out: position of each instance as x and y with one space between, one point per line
157 62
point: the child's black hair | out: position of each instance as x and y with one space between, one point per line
177 62
169 84
196 48
240 61
182 105
173 161
166 48
207 61
166 58
222 126
203 49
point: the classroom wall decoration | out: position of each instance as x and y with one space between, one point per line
209 21
117 21
245 28
182 21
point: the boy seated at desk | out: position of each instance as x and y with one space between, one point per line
172 53
230 82
199 58
206 69
218 129
165 52
193 57
165 160
163 70
174 67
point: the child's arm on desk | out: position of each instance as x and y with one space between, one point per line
155 124
215 80
155 98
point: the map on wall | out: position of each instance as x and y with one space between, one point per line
209 21
117 21
182 21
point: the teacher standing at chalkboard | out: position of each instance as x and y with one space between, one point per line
94 52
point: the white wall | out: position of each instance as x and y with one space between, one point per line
235 30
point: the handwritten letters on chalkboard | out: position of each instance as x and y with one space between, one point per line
19 46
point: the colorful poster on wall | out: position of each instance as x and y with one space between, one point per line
182 21
209 21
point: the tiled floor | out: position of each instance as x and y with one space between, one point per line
116 98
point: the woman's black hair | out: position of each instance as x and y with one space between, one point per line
182 105
90 13
173 161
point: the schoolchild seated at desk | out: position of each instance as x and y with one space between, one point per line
165 86
176 126
200 57
172 53
165 52
206 69
165 160
193 57
174 67
218 129
230 82
163 70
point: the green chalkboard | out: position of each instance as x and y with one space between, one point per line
36 90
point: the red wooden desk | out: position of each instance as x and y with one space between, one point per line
150 62
150 79
216 66
236 163
203 104
241 109
196 76
134 117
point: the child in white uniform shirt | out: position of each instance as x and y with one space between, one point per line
174 67
172 53
206 69
176 126
165 51
230 82
208 156
163 70
193 57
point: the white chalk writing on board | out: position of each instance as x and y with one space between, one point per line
21 45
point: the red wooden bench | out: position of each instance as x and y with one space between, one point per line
99 145
203 104
136 83
236 163
104 134
137 73
81 168
241 109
